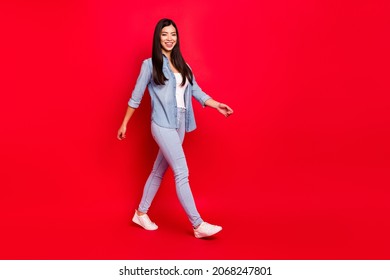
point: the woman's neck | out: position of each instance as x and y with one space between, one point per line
167 54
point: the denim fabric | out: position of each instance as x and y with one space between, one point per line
164 107
171 153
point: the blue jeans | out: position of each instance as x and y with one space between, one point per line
171 154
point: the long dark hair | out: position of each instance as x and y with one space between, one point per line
176 57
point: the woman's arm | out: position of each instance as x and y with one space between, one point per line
122 129
136 97
206 100
222 108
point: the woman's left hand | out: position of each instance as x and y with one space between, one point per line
224 109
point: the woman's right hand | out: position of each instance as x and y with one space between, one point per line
122 132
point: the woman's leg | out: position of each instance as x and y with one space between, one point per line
170 143
153 183
154 180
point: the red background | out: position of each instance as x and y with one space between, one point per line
300 171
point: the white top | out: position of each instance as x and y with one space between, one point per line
180 90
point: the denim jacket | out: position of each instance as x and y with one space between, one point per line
163 97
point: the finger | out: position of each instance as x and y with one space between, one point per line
228 108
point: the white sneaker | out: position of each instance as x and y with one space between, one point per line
144 221
206 229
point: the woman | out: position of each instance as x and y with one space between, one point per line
171 85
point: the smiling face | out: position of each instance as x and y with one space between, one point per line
168 37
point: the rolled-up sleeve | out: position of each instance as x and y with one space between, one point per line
198 94
140 86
